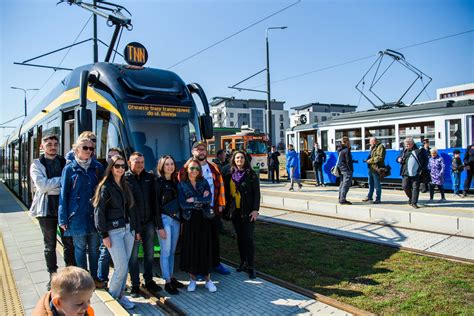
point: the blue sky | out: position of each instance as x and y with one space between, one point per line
319 34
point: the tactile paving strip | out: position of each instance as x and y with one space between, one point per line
10 303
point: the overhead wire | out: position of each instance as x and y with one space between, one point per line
232 35
62 60
355 60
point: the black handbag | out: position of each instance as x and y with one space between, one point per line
208 212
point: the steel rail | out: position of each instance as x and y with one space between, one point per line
408 249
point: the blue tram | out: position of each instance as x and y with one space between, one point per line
447 124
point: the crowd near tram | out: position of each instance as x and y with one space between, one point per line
116 154
424 147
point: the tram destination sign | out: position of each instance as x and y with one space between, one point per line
154 110
135 54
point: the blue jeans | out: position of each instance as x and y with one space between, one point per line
104 263
456 182
148 234
122 240
87 244
374 183
168 246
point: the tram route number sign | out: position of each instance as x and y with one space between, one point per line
153 110
135 54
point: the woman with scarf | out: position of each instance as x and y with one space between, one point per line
242 190
76 213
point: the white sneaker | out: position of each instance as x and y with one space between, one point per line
210 286
125 302
192 286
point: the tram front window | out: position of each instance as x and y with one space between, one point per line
256 147
157 137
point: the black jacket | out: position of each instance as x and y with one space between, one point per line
143 190
318 157
166 192
273 159
420 154
346 164
469 156
249 192
114 210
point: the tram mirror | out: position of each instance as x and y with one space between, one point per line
207 130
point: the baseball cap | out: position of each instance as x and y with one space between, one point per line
199 143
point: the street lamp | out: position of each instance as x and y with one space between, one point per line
269 110
24 90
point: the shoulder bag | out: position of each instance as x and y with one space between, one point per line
336 171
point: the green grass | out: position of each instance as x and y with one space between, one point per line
375 278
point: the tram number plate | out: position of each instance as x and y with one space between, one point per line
160 110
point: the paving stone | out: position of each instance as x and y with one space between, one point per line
39 276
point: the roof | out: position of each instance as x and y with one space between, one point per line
425 109
302 107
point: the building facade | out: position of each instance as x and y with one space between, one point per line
318 112
232 112
456 93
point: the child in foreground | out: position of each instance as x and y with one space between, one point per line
71 291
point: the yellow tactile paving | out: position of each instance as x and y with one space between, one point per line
10 303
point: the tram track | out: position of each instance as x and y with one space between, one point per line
345 236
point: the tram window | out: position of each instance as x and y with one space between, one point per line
107 135
53 127
418 131
256 147
324 140
385 135
157 137
454 133
211 148
355 137
239 144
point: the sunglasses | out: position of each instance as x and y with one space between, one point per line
123 166
194 168
86 148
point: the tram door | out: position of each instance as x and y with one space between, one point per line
307 140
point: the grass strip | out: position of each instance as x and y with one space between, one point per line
375 278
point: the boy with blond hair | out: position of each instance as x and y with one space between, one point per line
70 294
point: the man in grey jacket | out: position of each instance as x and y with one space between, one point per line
45 173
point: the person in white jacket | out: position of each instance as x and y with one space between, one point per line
45 174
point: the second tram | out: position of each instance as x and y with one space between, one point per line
447 124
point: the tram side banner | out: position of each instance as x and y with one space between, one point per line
153 110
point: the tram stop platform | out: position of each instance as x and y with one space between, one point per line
24 277
443 228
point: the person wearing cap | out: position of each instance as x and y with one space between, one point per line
457 167
425 186
45 174
214 177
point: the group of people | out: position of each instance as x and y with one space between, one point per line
104 215
422 169
418 167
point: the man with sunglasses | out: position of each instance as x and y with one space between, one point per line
45 173
213 176
142 185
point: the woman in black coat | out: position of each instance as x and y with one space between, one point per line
242 190
117 222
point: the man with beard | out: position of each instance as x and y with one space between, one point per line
213 176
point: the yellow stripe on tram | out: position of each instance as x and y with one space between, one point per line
71 95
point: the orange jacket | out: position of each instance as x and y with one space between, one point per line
43 307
